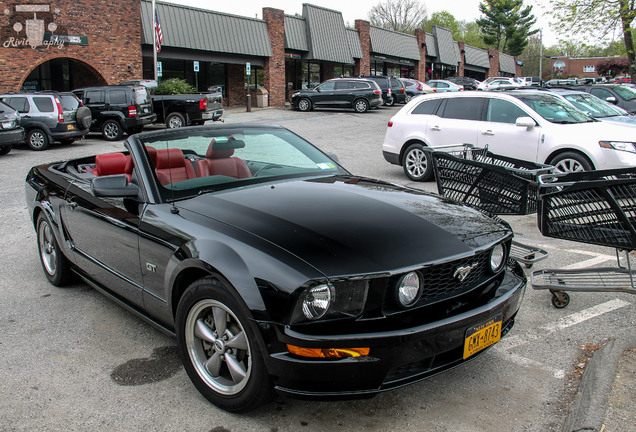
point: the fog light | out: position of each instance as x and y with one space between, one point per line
328 352
317 301
409 289
497 256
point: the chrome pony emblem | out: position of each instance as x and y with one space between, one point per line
462 272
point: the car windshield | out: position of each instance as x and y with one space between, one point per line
4 108
625 92
192 162
593 106
554 109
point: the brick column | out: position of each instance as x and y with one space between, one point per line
274 69
420 66
235 77
493 57
363 65
517 67
462 59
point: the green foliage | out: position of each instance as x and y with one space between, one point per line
443 19
612 67
399 15
174 86
506 25
470 33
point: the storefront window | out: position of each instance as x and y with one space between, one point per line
343 71
311 75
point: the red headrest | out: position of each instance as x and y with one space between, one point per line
170 159
152 155
216 154
110 163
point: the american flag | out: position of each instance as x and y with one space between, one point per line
159 34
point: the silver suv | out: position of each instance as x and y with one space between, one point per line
49 116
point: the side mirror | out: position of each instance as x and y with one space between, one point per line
526 122
611 99
114 186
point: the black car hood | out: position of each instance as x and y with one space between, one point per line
350 225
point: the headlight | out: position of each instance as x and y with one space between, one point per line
497 257
294 94
409 289
619 145
331 300
8 124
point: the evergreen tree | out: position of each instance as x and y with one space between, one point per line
506 25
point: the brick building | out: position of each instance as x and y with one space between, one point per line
583 67
66 44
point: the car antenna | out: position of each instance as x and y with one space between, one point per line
173 209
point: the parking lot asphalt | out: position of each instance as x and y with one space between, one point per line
72 360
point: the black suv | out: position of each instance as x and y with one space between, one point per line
49 116
393 89
356 93
466 82
10 131
117 109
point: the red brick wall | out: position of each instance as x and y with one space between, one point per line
235 77
363 65
493 56
462 56
274 70
113 28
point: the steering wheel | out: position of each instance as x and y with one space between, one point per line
266 167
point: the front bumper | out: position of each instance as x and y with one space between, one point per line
11 137
396 358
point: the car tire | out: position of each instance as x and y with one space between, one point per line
83 118
37 139
390 101
55 265
571 162
111 130
175 120
227 368
408 98
361 105
416 163
5 150
304 104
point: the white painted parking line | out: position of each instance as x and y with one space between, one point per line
586 314
589 262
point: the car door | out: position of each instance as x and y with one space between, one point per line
604 94
96 101
325 94
104 236
343 94
502 136
457 122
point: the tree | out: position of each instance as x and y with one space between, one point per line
174 86
506 25
600 18
443 19
470 33
399 15
612 67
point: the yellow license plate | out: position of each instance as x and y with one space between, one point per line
481 336
70 127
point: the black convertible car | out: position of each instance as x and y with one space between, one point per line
274 267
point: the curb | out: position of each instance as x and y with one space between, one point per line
587 412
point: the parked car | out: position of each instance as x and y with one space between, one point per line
272 265
621 95
531 81
357 93
187 109
503 84
117 109
11 133
595 107
393 89
414 88
443 86
561 82
49 116
535 126
621 80
467 82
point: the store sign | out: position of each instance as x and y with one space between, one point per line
34 26
292 55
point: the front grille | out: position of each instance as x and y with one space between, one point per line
441 282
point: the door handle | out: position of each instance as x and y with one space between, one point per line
436 128
488 132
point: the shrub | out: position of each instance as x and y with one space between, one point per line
174 86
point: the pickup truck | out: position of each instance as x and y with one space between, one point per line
187 109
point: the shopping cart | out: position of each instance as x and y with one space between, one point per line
594 207
493 183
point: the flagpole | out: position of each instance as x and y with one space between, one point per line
154 39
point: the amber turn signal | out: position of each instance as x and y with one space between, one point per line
330 353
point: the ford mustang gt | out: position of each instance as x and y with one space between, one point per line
275 268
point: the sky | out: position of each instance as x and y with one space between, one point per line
466 10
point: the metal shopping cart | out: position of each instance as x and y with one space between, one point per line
497 184
594 207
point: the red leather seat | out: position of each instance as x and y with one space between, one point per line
221 162
171 166
110 164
